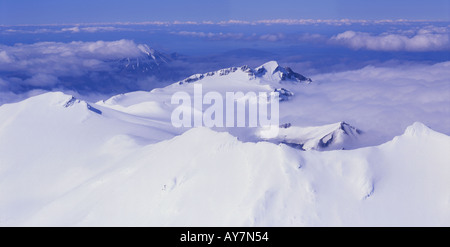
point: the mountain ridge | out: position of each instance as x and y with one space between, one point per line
268 71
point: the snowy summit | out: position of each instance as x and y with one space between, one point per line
120 162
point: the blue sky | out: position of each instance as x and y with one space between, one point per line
14 12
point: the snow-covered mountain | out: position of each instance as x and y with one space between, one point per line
273 71
120 162
270 72
329 137
149 62
269 77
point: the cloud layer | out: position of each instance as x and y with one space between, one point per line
58 58
333 22
81 66
426 39
386 99
312 48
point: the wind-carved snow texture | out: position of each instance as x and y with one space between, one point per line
74 100
334 136
71 102
128 166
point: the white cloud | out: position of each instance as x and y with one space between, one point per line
3 83
211 35
238 22
117 26
53 55
331 22
41 79
272 37
70 29
193 34
4 57
426 39
100 29
90 29
58 29
40 64
385 99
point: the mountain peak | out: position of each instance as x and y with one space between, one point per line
335 136
273 71
270 67
148 62
416 129
145 49
270 71
60 99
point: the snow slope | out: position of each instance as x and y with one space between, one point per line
67 162
329 137
216 180
269 77
51 143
